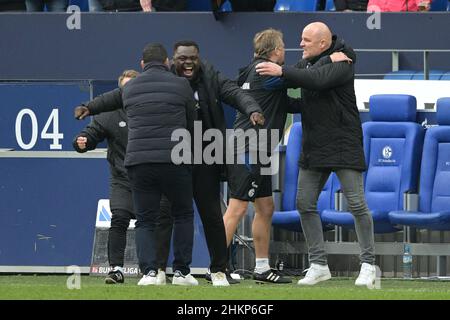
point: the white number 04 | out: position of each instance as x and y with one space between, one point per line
55 135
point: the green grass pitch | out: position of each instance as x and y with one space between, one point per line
93 288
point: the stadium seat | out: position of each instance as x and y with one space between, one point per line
434 194
400 75
295 5
226 7
445 76
433 75
288 217
329 5
282 5
392 147
438 5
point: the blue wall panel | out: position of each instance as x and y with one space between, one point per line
48 209
40 46
41 99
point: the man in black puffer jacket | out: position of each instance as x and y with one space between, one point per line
332 141
211 88
112 126
157 103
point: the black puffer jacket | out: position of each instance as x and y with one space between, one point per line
332 133
215 89
156 102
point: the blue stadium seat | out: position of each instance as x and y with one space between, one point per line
226 7
392 146
282 5
296 5
304 5
400 75
438 5
199 5
289 218
434 75
434 193
329 5
445 76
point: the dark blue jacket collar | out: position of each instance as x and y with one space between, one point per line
157 65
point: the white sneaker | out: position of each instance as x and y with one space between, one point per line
316 273
367 276
148 279
161 278
184 280
219 279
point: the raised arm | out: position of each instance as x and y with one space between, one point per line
89 137
108 101
329 71
233 95
325 77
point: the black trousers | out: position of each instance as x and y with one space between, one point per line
117 235
148 182
206 185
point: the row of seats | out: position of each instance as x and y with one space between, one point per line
397 151
281 5
312 5
417 75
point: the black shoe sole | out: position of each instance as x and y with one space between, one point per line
269 282
233 281
111 281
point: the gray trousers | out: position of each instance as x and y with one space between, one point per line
310 185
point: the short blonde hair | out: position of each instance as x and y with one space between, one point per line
127 74
266 41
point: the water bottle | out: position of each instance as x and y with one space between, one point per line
407 262
280 265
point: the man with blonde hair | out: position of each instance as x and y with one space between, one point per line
246 181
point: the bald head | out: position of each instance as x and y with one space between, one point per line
316 38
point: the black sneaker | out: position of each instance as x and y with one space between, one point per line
114 277
271 276
227 273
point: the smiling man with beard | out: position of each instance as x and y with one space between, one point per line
210 89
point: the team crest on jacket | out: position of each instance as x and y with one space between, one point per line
122 124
